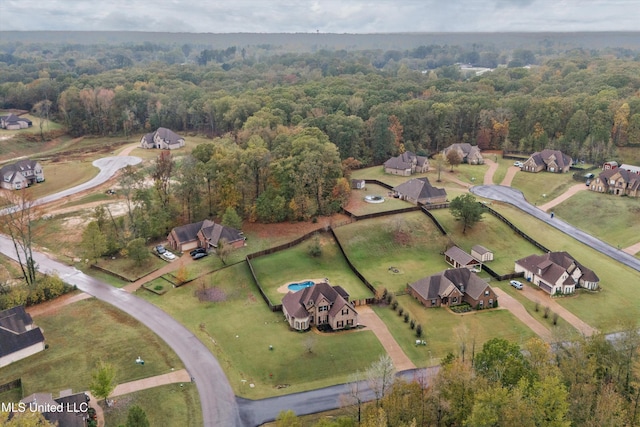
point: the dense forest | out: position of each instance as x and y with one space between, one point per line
287 126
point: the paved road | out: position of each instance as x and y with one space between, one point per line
108 167
257 412
516 198
218 403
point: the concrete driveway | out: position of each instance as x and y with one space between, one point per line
217 399
516 198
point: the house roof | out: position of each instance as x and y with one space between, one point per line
405 161
12 118
553 264
631 168
9 173
630 178
296 303
419 189
211 231
467 149
66 418
167 135
16 331
480 249
544 157
460 256
442 284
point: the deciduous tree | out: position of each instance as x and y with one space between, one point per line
465 208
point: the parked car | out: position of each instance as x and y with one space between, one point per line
168 256
199 255
160 249
588 182
198 251
518 164
475 270
516 284
589 175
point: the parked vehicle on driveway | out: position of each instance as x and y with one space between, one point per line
198 251
160 249
516 284
518 164
168 256
199 255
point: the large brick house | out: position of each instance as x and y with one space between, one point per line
548 160
162 138
618 181
453 287
557 273
468 153
406 164
204 234
320 304
420 191
21 174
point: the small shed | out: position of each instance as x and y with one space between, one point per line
357 184
458 258
481 253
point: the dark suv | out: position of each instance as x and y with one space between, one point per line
198 251
160 249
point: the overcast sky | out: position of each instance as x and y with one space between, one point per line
327 16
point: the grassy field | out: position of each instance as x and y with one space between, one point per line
373 246
472 174
81 334
444 331
539 188
61 176
167 405
605 309
131 269
296 265
501 172
491 233
239 328
358 206
608 217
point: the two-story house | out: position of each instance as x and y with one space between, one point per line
468 153
21 174
548 160
163 138
619 181
406 164
320 304
453 287
557 273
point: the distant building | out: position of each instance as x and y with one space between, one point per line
21 174
609 165
557 273
13 122
204 234
420 191
468 153
358 184
406 164
162 138
548 160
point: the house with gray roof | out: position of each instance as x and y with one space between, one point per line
453 287
468 153
406 164
163 138
68 410
21 174
420 191
320 304
547 160
557 273
14 122
204 234
19 337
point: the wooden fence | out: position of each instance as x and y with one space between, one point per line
516 229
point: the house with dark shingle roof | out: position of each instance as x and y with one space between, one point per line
619 181
453 287
468 153
13 122
73 413
557 273
457 258
406 164
162 138
320 304
21 174
204 234
19 337
420 191
548 160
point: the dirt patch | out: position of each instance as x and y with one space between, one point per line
211 295
291 230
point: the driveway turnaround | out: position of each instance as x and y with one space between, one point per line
516 198
218 402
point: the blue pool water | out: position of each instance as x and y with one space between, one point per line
295 287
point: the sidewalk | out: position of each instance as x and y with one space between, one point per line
170 267
564 196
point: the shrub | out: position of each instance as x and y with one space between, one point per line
158 287
546 312
406 317
419 330
555 319
412 324
394 305
400 311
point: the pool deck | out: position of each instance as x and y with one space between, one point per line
285 288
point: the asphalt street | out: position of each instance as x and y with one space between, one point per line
516 198
217 399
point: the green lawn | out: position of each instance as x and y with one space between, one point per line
605 309
472 174
131 269
63 175
296 264
501 172
444 331
81 334
539 188
608 217
167 405
358 206
374 245
491 233
240 329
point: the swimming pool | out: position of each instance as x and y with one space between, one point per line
295 287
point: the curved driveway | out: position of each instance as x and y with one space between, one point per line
218 403
516 198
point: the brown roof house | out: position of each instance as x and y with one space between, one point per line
19 338
420 191
406 164
557 273
481 253
618 181
468 153
21 174
458 258
204 234
162 138
548 160
453 287
320 304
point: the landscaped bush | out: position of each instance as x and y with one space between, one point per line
46 288
406 317
394 305
412 324
400 311
419 331
463 308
